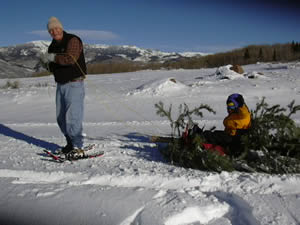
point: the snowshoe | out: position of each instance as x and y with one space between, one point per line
75 154
64 150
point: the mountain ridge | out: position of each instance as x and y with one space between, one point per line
22 60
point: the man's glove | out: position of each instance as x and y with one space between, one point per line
44 65
46 58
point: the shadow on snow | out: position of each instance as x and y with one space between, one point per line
141 144
6 131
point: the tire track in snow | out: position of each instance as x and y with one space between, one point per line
230 182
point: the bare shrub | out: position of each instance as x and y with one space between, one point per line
12 85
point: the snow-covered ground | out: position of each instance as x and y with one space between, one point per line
132 184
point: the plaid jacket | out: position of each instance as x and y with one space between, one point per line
69 61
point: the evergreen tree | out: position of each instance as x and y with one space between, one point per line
260 55
184 117
273 139
246 55
297 47
274 58
293 47
272 144
190 154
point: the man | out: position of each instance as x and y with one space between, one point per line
65 59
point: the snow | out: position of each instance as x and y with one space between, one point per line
40 46
166 86
132 183
193 54
101 46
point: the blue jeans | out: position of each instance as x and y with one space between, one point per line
69 111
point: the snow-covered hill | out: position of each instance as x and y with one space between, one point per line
132 184
23 60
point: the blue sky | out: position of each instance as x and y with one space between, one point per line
167 25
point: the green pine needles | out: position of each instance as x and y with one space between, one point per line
190 154
184 117
272 144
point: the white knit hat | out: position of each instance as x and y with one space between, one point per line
53 22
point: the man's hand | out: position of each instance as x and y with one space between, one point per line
44 65
47 57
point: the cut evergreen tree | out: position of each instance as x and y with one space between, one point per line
189 152
272 144
184 118
273 139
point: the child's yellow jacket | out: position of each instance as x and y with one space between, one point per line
237 120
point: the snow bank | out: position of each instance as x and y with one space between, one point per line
224 72
163 87
199 214
254 75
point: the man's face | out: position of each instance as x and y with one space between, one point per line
56 33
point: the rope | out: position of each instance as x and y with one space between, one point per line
106 93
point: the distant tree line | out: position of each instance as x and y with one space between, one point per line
121 67
247 55
112 67
295 47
